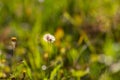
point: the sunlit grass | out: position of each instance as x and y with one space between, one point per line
84 45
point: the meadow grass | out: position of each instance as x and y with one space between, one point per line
86 46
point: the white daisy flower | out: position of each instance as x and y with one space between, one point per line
49 38
44 67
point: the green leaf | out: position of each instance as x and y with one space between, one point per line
79 73
54 72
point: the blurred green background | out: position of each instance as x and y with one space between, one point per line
87 45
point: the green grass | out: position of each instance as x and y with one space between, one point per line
87 45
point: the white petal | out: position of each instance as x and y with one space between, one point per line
49 38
